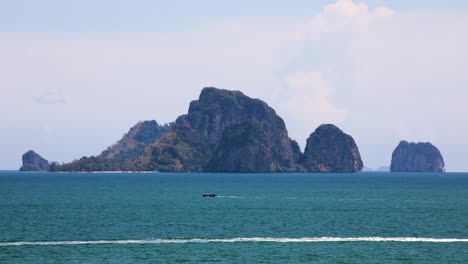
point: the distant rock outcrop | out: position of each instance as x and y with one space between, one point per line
34 162
417 157
329 149
223 131
203 139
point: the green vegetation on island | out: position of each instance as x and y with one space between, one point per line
223 131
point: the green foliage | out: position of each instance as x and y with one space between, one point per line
87 164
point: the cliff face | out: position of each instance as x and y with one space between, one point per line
248 147
223 131
420 157
34 162
197 141
329 149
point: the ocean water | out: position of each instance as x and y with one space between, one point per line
256 218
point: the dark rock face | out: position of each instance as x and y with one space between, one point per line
420 157
247 147
197 137
297 154
34 162
223 131
134 142
329 149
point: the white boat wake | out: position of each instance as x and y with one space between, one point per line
238 240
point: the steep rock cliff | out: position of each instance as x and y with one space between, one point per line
247 147
196 137
416 157
329 149
34 162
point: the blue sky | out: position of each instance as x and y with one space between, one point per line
150 15
78 74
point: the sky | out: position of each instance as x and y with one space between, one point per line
76 75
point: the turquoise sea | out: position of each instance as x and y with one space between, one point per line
256 218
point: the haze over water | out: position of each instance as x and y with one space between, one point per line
269 218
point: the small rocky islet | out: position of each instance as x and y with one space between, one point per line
417 157
223 131
34 162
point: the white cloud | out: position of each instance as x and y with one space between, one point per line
344 14
346 8
383 12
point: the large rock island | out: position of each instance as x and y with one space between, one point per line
329 149
223 131
417 157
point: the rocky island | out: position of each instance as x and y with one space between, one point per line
223 131
329 149
34 162
417 157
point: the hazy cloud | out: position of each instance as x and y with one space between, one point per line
344 14
308 104
409 72
51 98
383 12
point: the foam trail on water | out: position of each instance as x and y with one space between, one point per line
238 240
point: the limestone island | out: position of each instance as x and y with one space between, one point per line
417 157
223 131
